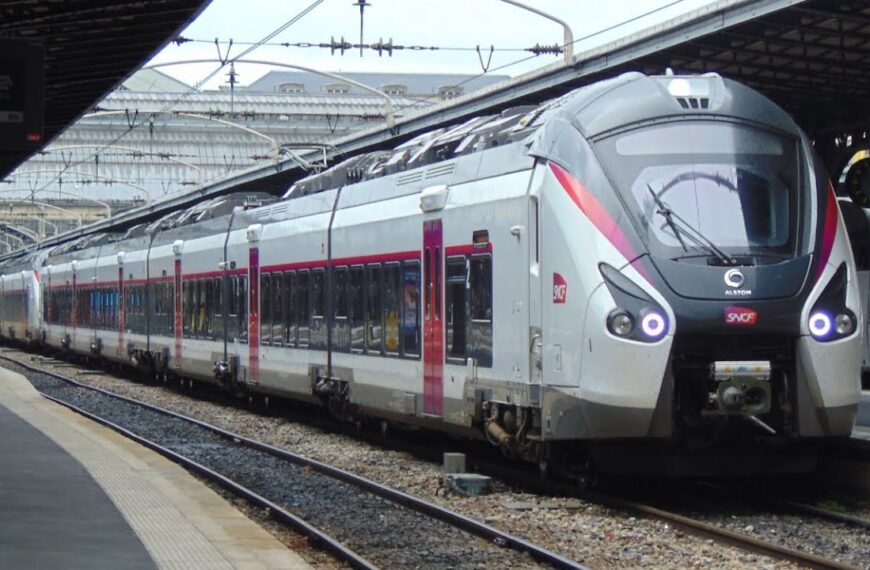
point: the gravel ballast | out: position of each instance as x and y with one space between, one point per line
591 534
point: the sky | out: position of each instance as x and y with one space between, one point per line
441 23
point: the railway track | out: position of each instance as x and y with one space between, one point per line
361 522
530 481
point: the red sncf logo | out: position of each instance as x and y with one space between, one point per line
740 316
560 289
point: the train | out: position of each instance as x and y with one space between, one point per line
645 271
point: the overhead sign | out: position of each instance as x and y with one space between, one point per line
22 98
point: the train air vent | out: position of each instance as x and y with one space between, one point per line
694 102
409 178
440 170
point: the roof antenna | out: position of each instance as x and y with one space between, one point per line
363 4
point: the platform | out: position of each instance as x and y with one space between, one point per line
74 494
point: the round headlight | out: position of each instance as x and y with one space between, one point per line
820 324
653 324
844 324
620 323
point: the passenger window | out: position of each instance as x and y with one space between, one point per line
243 308
277 309
411 308
455 304
291 302
340 292
392 308
317 294
187 300
357 308
303 311
208 308
374 312
265 309
481 288
480 342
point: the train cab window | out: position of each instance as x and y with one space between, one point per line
356 293
480 305
291 303
455 304
411 308
265 308
374 310
303 307
277 309
392 308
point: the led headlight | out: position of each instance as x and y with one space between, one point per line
620 323
820 324
653 324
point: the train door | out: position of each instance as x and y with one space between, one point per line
433 322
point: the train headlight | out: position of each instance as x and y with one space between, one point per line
654 324
820 324
620 323
844 324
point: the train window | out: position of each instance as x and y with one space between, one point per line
218 298
265 308
427 269
411 307
340 295
169 303
455 303
303 307
291 303
243 308
480 283
187 307
233 297
208 308
357 308
374 312
277 309
438 283
317 295
392 308
480 289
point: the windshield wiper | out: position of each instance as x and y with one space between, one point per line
698 238
668 215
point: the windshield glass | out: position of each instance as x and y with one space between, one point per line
732 186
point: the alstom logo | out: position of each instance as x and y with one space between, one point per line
740 316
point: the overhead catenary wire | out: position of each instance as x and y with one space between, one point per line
577 40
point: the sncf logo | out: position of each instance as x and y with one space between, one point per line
740 316
560 289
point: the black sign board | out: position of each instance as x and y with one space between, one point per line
22 84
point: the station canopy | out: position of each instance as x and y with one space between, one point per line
89 47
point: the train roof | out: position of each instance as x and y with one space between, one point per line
593 110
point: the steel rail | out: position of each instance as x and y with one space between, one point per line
825 513
432 510
687 524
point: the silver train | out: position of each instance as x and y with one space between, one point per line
647 271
